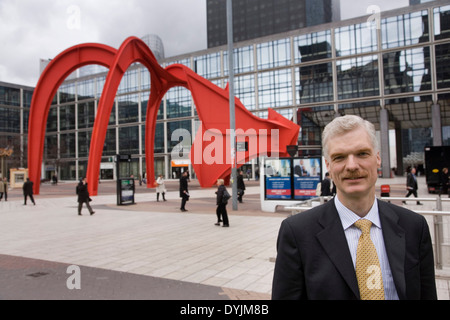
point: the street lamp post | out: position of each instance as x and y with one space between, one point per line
232 105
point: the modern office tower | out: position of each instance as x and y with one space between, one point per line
258 18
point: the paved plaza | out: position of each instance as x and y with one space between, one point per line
149 250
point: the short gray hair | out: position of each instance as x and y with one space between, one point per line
344 124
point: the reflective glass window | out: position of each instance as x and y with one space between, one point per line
145 79
315 83
311 120
444 103
129 82
86 114
442 22
67 93
405 29
312 46
357 77
159 138
176 132
144 105
84 139
26 116
100 84
243 60
9 96
245 90
355 39
9 120
273 54
407 70
52 122
443 65
368 110
129 140
179 102
86 89
208 66
67 117
67 170
109 147
27 97
51 146
67 145
275 88
128 108
411 111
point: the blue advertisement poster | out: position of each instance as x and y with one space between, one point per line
307 174
278 179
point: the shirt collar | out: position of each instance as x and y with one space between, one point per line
348 217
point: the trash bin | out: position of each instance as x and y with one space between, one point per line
385 190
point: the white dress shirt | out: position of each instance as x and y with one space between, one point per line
352 233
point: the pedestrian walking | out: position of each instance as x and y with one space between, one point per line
184 192
325 188
160 188
83 196
28 191
445 182
240 186
221 201
4 189
411 185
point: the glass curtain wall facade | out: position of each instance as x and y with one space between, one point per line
15 103
310 75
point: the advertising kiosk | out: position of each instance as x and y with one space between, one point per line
125 183
289 181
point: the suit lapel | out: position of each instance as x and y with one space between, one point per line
332 239
394 240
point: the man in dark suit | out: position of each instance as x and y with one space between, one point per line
325 187
28 191
411 185
184 193
317 249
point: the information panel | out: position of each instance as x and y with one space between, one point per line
278 179
292 178
307 174
125 194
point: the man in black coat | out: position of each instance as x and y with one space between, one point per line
184 193
325 186
83 196
28 191
240 185
411 185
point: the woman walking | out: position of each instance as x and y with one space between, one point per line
160 188
222 200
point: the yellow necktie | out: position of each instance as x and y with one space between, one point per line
368 271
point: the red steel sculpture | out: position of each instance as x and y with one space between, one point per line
209 154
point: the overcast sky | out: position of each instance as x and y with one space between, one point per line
40 29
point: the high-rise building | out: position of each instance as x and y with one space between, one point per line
258 18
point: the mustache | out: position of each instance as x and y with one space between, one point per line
353 175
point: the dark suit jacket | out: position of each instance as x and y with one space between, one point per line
27 188
411 183
183 186
314 262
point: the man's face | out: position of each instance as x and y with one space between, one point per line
353 164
